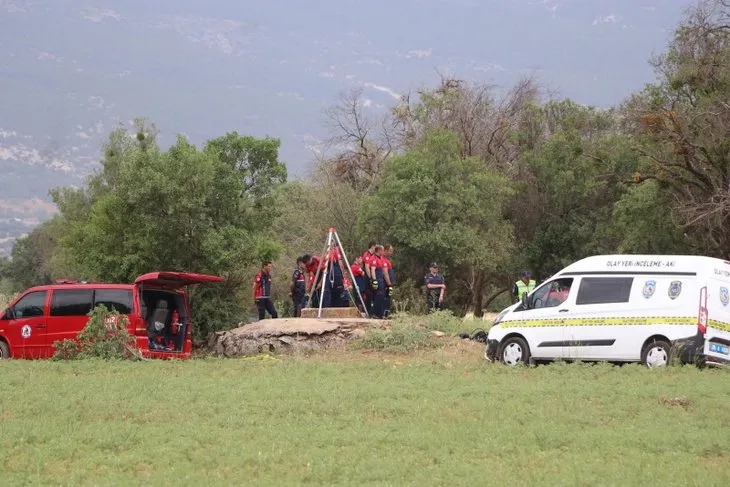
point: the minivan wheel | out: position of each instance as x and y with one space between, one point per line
514 351
656 354
4 350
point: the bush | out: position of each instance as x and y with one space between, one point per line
105 336
410 332
401 337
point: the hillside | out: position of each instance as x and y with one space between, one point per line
71 72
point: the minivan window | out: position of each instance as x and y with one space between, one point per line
604 290
30 305
119 300
71 302
552 294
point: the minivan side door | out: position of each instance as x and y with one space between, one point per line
26 331
68 314
593 333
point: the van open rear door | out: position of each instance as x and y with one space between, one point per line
174 280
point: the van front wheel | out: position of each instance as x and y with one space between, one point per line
656 354
514 351
4 350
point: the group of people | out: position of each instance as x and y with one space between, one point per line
374 282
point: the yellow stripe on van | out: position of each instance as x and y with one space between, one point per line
719 325
623 321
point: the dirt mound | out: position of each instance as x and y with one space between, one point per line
287 335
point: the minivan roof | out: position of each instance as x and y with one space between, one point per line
646 264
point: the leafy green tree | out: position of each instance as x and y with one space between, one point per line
34 260
182 209
434 204
681 127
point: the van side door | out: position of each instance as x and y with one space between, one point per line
26 331
595 331
69 314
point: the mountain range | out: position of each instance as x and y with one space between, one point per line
71 71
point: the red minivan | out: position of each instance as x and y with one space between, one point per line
156 304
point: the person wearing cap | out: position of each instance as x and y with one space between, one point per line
522 286
297 287
435 288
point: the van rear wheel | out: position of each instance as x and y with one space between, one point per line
656 354
514 351
4 350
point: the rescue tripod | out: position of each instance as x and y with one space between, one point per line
333 241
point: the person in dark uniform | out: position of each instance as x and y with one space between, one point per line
262 292
298 287
435 288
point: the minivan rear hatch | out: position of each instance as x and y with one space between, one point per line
174 280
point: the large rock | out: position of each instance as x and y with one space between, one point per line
286 335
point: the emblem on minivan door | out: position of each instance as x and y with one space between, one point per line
724 296
675 289
26 331
649 288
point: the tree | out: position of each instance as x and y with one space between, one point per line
682 127
434 204
182 209
361 143
34 259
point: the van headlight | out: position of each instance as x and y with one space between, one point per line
499 317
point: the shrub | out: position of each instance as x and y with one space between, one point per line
401 337
105 336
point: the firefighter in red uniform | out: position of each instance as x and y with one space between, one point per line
311 264
360 280
389 274
368 259
381 283
262 292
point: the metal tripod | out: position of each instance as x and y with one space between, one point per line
333 240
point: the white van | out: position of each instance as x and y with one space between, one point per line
621 308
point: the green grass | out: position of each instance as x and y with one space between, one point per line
433 417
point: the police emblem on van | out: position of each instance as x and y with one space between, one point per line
675 289
724 296
649 288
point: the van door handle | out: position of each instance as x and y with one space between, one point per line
40 326
563 311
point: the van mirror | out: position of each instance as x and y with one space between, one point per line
525 303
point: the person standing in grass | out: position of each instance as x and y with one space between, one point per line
435 288
262 292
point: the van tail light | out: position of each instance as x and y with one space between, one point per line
702 317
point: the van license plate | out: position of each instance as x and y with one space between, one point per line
716 347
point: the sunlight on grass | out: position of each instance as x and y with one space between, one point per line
443 417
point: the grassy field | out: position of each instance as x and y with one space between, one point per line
438 416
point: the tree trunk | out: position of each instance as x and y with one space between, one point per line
477 295
495 296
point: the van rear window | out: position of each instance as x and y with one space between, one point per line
119 300
604 290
